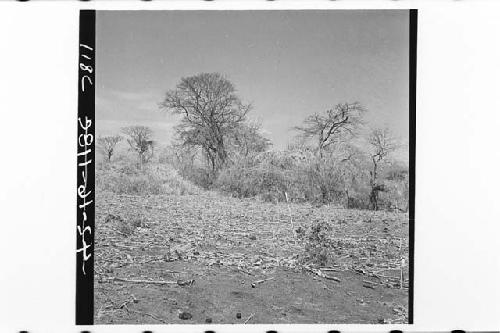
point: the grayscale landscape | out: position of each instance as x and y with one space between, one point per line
253 167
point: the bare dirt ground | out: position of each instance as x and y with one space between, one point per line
193 259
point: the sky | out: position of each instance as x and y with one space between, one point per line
288 64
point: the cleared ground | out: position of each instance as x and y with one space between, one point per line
193 259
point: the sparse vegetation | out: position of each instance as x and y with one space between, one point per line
337 125
221 204
382 144
128 178
139 140
212 114
107 145
218 148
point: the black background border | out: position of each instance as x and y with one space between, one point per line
86 110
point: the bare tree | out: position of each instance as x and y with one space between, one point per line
140 141
211 112
352 167
107 145
332 127
382 143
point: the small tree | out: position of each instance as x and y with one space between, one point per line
140 141
382 143
107 145
352 165
333 127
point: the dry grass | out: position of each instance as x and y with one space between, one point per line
225 244
154 179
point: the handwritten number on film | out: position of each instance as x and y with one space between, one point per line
86 68
85 140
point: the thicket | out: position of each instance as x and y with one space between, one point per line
217 147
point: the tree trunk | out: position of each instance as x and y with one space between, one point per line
374 198
373 185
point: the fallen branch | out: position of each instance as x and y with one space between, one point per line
370 282
123 247
124 304
395 278
254 284
329 269
336 279
143 281
291 220
321 274
185 282
245 271
146 314
248 319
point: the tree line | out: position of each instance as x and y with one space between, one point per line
214 127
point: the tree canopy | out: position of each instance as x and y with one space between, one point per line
140 141
107 145
334 125
211 112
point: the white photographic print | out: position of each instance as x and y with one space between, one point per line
249 166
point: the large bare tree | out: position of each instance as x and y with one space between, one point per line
332 127
139 140
382 143
107 145
211 111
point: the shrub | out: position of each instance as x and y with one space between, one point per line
358 202
317 245
396 195
187 162
127 178
267 176
300 174
126 228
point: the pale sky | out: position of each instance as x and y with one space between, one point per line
288 64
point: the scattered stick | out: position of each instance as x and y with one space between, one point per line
395 278
291 220
321 274
245 271
336 279
401 276
378 271
124 304
329 269
123 246
99 313
370 282
146 314
143 281
254 284
248 319
119 232
185 282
